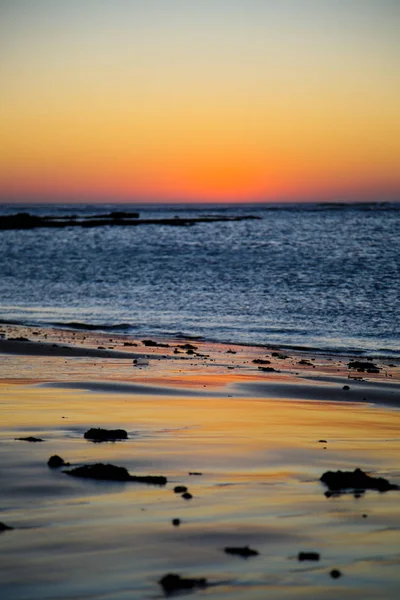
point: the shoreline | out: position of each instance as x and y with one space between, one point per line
125 331
13 329
182 367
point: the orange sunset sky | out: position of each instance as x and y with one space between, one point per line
211 100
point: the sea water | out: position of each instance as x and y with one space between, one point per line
324 277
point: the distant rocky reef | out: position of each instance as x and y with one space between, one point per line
24 220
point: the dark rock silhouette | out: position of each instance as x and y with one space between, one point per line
261 361
180 489
107 472
97 434
29 439
176 522
4 527
114 219
56 461
267 369
195 473
153 344
335 574
187 347
172 582
346 387
308 556
243 551
357 480
362 366
187 496
279 355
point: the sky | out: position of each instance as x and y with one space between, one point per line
199 100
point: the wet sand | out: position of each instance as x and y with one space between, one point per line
253 435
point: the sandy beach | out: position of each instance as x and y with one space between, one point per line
249 440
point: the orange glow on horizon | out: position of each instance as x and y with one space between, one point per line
199 106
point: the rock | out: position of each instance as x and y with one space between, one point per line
195 473
153 344
29 439
97 434
4 527
187 496
279 355
107 472
244 551
121 214
172 582
140 362
234 352
261 361
176 522
308 556
305 362
345 387
267 369
356 480
180 489
188 347
56 461
362 366
322 441
129 344
335 574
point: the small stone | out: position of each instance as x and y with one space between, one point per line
29 439
346 387
56 461
172 582
243 551
308 556
176 522
187 496
4 527
180 489
335 574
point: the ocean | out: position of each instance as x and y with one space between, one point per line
320 277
